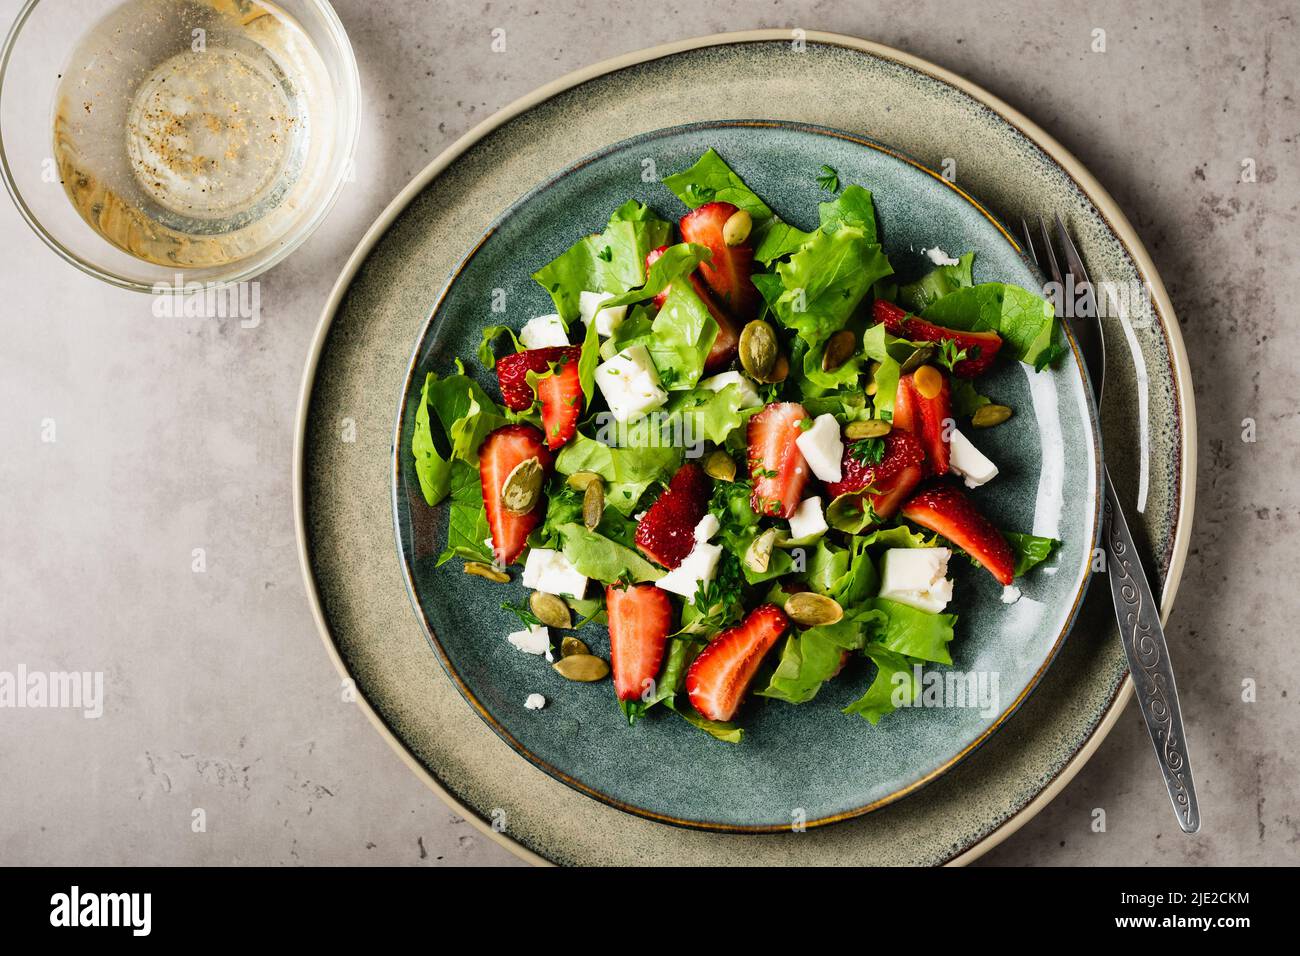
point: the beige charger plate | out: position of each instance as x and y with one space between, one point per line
374 313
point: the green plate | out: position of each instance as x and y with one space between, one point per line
808 764
361 358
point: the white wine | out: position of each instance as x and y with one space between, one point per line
194 133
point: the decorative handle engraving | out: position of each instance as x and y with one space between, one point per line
1148 660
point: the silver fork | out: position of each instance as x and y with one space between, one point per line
1136 609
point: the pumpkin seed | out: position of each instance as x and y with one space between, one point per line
812 609
480 570
872 369
839 349
871 428
571 646
986 416
759 553
593 505
550 610
758 349
523 487
579 480
581 667
720 465
736 229
928 381
918 358
779 371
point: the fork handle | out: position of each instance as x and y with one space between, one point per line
1148 660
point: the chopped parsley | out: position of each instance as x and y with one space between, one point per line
828 179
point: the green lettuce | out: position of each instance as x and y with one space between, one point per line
916 296
1027 323
712 180
1030 550
467 527
913 632
894 675
811 658
681 338
433 471
627 472
465 414
712 416
602 559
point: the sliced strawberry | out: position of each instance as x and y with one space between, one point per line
946 510
728 270
500 452
982 347
512 372
561 395
893 478
640 617
717 680
728 339
775 463
666 534
930 419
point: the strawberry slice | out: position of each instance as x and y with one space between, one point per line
775 463
946 510
640 617
500 452
727 272
512 372
930 419
666 534
893 478
717 680
982 347
561 395
727 342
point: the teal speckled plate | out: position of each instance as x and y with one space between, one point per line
797 764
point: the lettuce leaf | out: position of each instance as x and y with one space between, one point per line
1030 550
712 180
811 658
628 472
916 296
894 674
875 346
602 559
854 207
467 526
913 632
681 338
1027 323
678 260
712 416
433 471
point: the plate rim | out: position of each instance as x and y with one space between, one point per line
1097 194
434 320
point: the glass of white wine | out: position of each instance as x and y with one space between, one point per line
150 140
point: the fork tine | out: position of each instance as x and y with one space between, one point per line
1073 261
1050 254
1029 240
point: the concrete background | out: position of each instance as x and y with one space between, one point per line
176 434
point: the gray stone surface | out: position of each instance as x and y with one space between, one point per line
174 435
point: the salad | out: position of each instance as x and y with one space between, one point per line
745 447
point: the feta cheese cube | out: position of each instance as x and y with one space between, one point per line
822 448
543 331
749 397
941 258
551 572
968 461
630 383
916 577
607 320
707 528
535 702
808 520
696 568
535 640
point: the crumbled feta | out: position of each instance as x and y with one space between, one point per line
709 526
607 320
749 397
808 520
550 571
1010 594
822 448
535 702
542 332
696 568
535 640
630 383
917 577
969 462
941 258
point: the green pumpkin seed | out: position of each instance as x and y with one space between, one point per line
986 416
921 356
581 667
812 609
780 369
593 505
550 610
571 646
480 570
720 465
871 428
759 553
522 488
872 369
579 480
758 349
736 229
839 349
